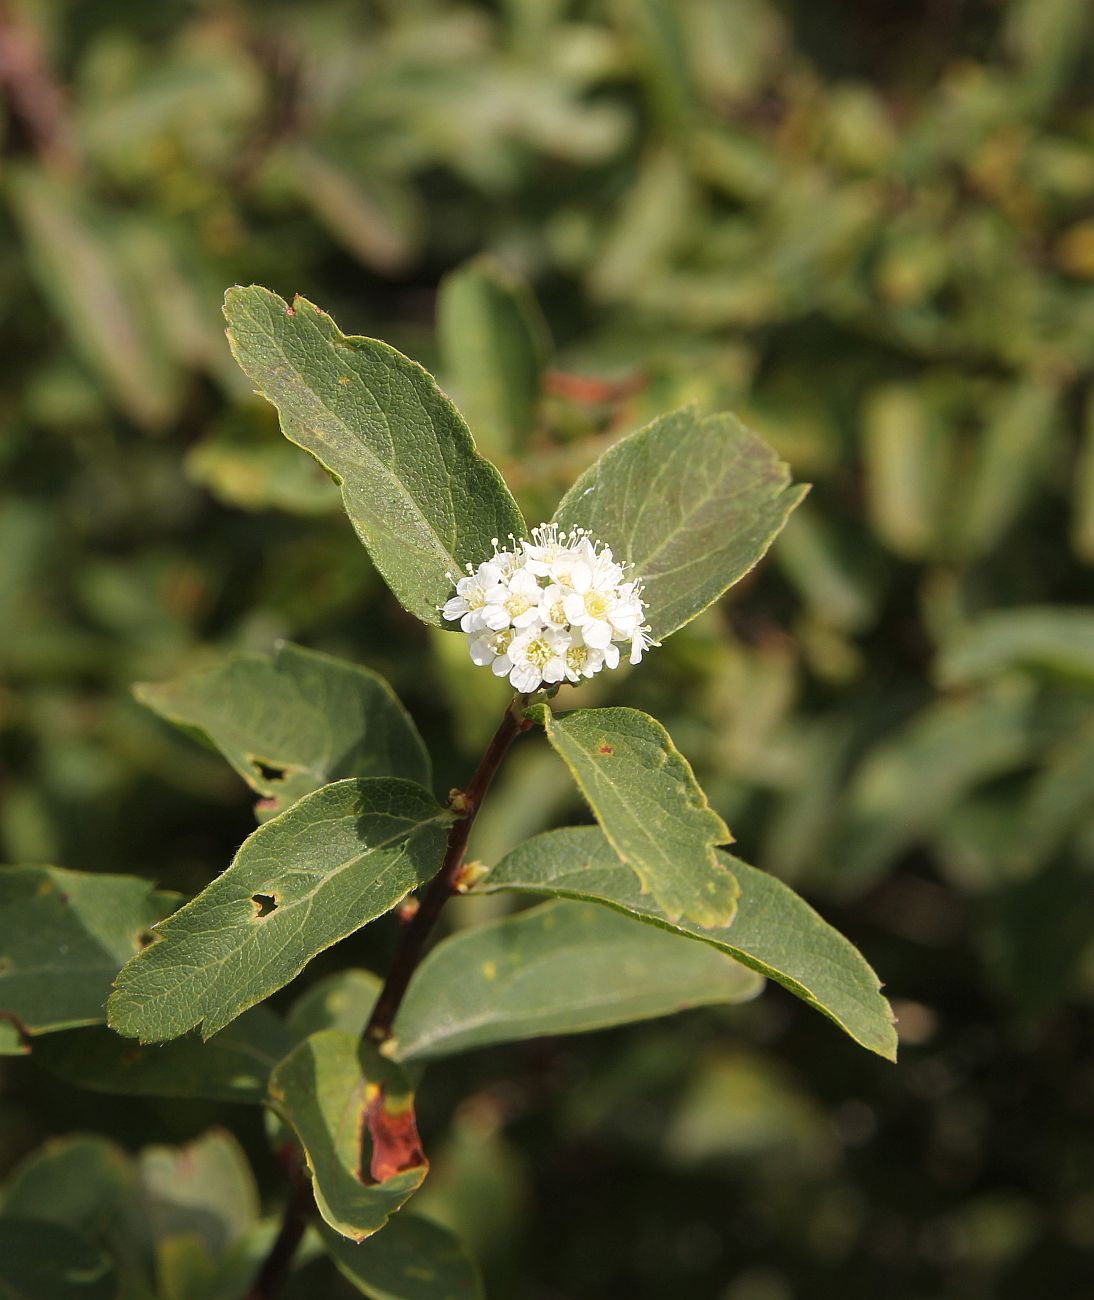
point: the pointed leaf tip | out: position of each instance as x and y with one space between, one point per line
422 499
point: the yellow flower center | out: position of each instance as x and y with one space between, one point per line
538 652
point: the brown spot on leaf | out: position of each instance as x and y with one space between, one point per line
604 748
393 1128
290 310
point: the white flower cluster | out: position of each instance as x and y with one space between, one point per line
549 610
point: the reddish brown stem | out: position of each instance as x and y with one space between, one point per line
416 935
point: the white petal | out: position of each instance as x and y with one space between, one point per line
554 670
454 608
524 583
502 666
581 576
482 653
611 656
574 606
524 678
597 633
623 621
495 617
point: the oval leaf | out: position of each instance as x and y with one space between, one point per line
646 799
562 968
293 723
342 1001
63 937
493 345
692 502
336 860
775 931
421 498
412 1259
332 1090
1050 638
234 1066
81 1181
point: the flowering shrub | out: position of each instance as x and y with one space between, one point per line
645 913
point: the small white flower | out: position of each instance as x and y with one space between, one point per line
552 606
597 605
583 660
471 597
513 603
538 656
551 609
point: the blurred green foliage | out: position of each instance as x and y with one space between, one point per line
867 228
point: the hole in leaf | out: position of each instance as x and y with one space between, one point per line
264 904
268 771
144 938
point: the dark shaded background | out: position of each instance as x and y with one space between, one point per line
868 228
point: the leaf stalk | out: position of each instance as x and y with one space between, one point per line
416 935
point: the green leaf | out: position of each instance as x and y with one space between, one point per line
74 249
186 1270
63 937
342 1001
909 460
1057 800
910 780
82 1182
1012 454
234 1066
371 214
293 723
333 1089
775 932
205 1187
562 968
493 343
691 502
421 498
338 859
644 795
412 1259
1056 638
12 1042
245 463
43 1261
